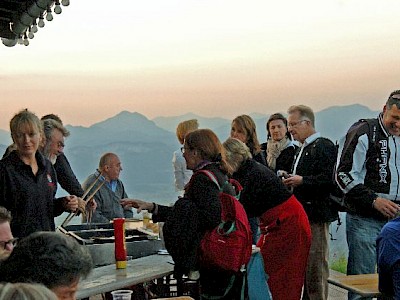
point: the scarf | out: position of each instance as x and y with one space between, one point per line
274 149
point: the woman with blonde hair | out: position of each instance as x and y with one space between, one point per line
198 211
244 129
181 173
28 182
25 291
285 231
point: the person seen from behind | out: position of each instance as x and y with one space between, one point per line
25 291
49 258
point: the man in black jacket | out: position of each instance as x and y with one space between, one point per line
311 182
54 150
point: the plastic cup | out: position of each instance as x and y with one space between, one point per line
122 294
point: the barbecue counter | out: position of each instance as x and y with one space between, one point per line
143 265
99 239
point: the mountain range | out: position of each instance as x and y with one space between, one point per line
145 146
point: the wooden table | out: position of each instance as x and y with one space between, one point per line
140 270
365 285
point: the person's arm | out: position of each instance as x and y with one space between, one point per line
97 215
128 214
66 176
160 212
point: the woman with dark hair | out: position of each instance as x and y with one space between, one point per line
243 128
279 147
198 211
285 231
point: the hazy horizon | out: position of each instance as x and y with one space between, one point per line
213 58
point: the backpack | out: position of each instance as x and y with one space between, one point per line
337 197
229 245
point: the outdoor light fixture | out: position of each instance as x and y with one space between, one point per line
49 15
34 28
31 34
26 40
41 21
58 8
24 26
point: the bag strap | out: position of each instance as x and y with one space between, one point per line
212 176
220 229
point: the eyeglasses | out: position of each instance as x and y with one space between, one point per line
184 149
12 242
295 124
60 145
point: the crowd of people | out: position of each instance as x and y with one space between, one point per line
287 182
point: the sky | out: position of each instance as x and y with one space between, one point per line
210 57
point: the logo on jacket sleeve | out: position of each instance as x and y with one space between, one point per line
384 158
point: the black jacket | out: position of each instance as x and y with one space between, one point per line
187 221
29 198
316 166
262 188
285 159
368 166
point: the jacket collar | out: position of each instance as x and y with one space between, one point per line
380 119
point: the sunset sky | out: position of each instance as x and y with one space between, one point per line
211 57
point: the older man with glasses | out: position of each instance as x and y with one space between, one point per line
7 241
311 182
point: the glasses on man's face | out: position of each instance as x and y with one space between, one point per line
12 242
295 124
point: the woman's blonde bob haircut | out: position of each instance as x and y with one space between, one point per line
236 153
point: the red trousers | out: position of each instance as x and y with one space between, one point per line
285 243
